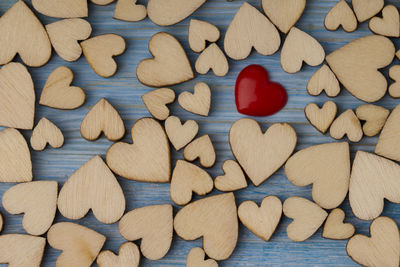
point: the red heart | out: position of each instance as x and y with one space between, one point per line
256 95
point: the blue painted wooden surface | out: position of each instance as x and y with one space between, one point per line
124 91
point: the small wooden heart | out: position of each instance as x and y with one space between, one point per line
335 228
323 80
389 24
321 118
128 10
62 8
233 179
348 124
341 15
388 144
200 32
129 256
203 149
394 88
199 102
180 134
212 58
195 258
374 117
366 9
45 133
156 102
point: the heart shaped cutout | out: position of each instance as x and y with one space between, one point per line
62 8
334 227
321 118
374 116
323 80
348 124
180 134
233 179
156 102
152 224
203 149
366 9
199 102
394 88
389 24
128 10
341 15
195 258
129 256
45 133
388 143
212 58
200 32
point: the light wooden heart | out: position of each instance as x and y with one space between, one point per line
79 245
199 102
389 24
129 256
180 134
341 15
307 218
188 178
374 117
152 224
263 220
372 180
45 133
15 158
284 13
261 154
250 29
102 118
381 249
195 258
93 186
156 102
348 124
128 10
57 92
300 47
21 250
37 200
100 50
366 9
62 8
200 32
147 159
212 58
17 97
394 88
65 34
233 179
321 118
22 33
213 218
169 12
323 80
388 144
169 65
203 149
334 227
356 66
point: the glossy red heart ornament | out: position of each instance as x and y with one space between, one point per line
256 95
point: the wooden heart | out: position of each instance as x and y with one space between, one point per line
233 179
169 65
263 220
334 227
152 224
203 149
128 10
388 144
103 117
21 250
62 8
57 92
37 200
200 32
93 186
100 50
23 34
180 134
17 97
374 117
250 28
309 166
307 218
284 13
256 151
45 133
372 180
213 218
323 80
366 9
188 178
394 88
212 58
381 249
147 159
356 66
321 118
341 15
79 245
300 47
129 256
195 258
389 24
169 12
199 102
15 158
156 102
348 124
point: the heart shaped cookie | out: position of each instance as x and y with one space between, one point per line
212 58
170 64
394 88
263 220
37 200
309 166
200 32
334 227
62 8
374 117
128 10
233 179
45 133
203 149
366 9
103 117
152 224
389 24
100 50
156 102
356 66
147 159
195 258
180 134
213 218
79 245
348 124
199 102
341 15
129 256
250 28
321 118
323 80
256 151
388 144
